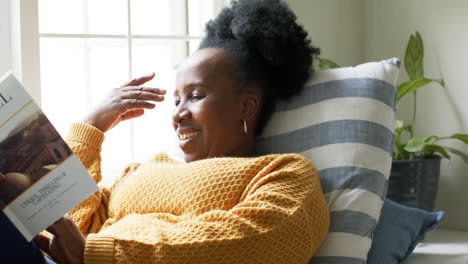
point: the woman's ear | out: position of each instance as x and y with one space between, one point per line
250 106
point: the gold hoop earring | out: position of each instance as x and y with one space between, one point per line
245 127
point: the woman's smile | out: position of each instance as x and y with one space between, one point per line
189 135
187 138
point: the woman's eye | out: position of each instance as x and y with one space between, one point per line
177 102
196 97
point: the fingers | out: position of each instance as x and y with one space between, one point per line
134 98
133 114
143 95
152 90
134 104
56 227
124 103
140 80
43 242
61 225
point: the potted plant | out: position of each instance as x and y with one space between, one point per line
416 160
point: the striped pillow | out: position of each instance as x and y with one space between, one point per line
343 122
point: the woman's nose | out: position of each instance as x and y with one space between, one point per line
180 114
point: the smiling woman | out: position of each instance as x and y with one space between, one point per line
225 204
208 98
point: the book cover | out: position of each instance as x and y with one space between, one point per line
40 177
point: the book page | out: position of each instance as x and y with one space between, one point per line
40 177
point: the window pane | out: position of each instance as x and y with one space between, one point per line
107 16
107 67
162 17
193 45
153 132
75 75
116 152
62 81
58 16
151 54
83 16
200 12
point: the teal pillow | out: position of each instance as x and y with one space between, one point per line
398 232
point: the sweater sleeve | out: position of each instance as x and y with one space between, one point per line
282 217
85 141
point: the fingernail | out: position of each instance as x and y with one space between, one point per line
151 74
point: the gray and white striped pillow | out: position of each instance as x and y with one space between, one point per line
343 122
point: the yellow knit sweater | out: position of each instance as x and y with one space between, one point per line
267 209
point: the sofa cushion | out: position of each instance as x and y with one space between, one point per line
398 231
343 122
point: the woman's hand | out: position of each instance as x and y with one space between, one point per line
123 103
67 245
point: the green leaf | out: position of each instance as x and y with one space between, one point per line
399 151
430 138
429 149
462 155
399 124
325 64
412 86
414 57
407 128
401 127
415 145
462 137
440 81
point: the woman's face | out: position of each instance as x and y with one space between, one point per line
210 107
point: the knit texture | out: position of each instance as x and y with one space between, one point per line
267 209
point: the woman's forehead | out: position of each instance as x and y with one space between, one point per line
204 66
208 57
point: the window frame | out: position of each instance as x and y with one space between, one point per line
25 55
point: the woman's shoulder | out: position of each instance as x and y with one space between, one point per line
287 157
163 157
284 160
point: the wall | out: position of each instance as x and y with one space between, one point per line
444 29
5 59
336 26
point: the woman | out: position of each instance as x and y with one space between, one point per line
224 205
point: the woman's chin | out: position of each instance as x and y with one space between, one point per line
189 157
186 146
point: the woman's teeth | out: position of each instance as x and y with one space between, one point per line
187 135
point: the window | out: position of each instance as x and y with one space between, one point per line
89 47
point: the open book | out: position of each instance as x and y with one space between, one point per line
40 178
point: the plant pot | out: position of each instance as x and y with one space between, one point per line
414 182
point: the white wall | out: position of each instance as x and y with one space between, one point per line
444 29
5 51
336 26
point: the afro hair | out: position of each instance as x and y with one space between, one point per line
273 51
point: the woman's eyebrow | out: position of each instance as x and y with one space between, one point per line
192 86
196 84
